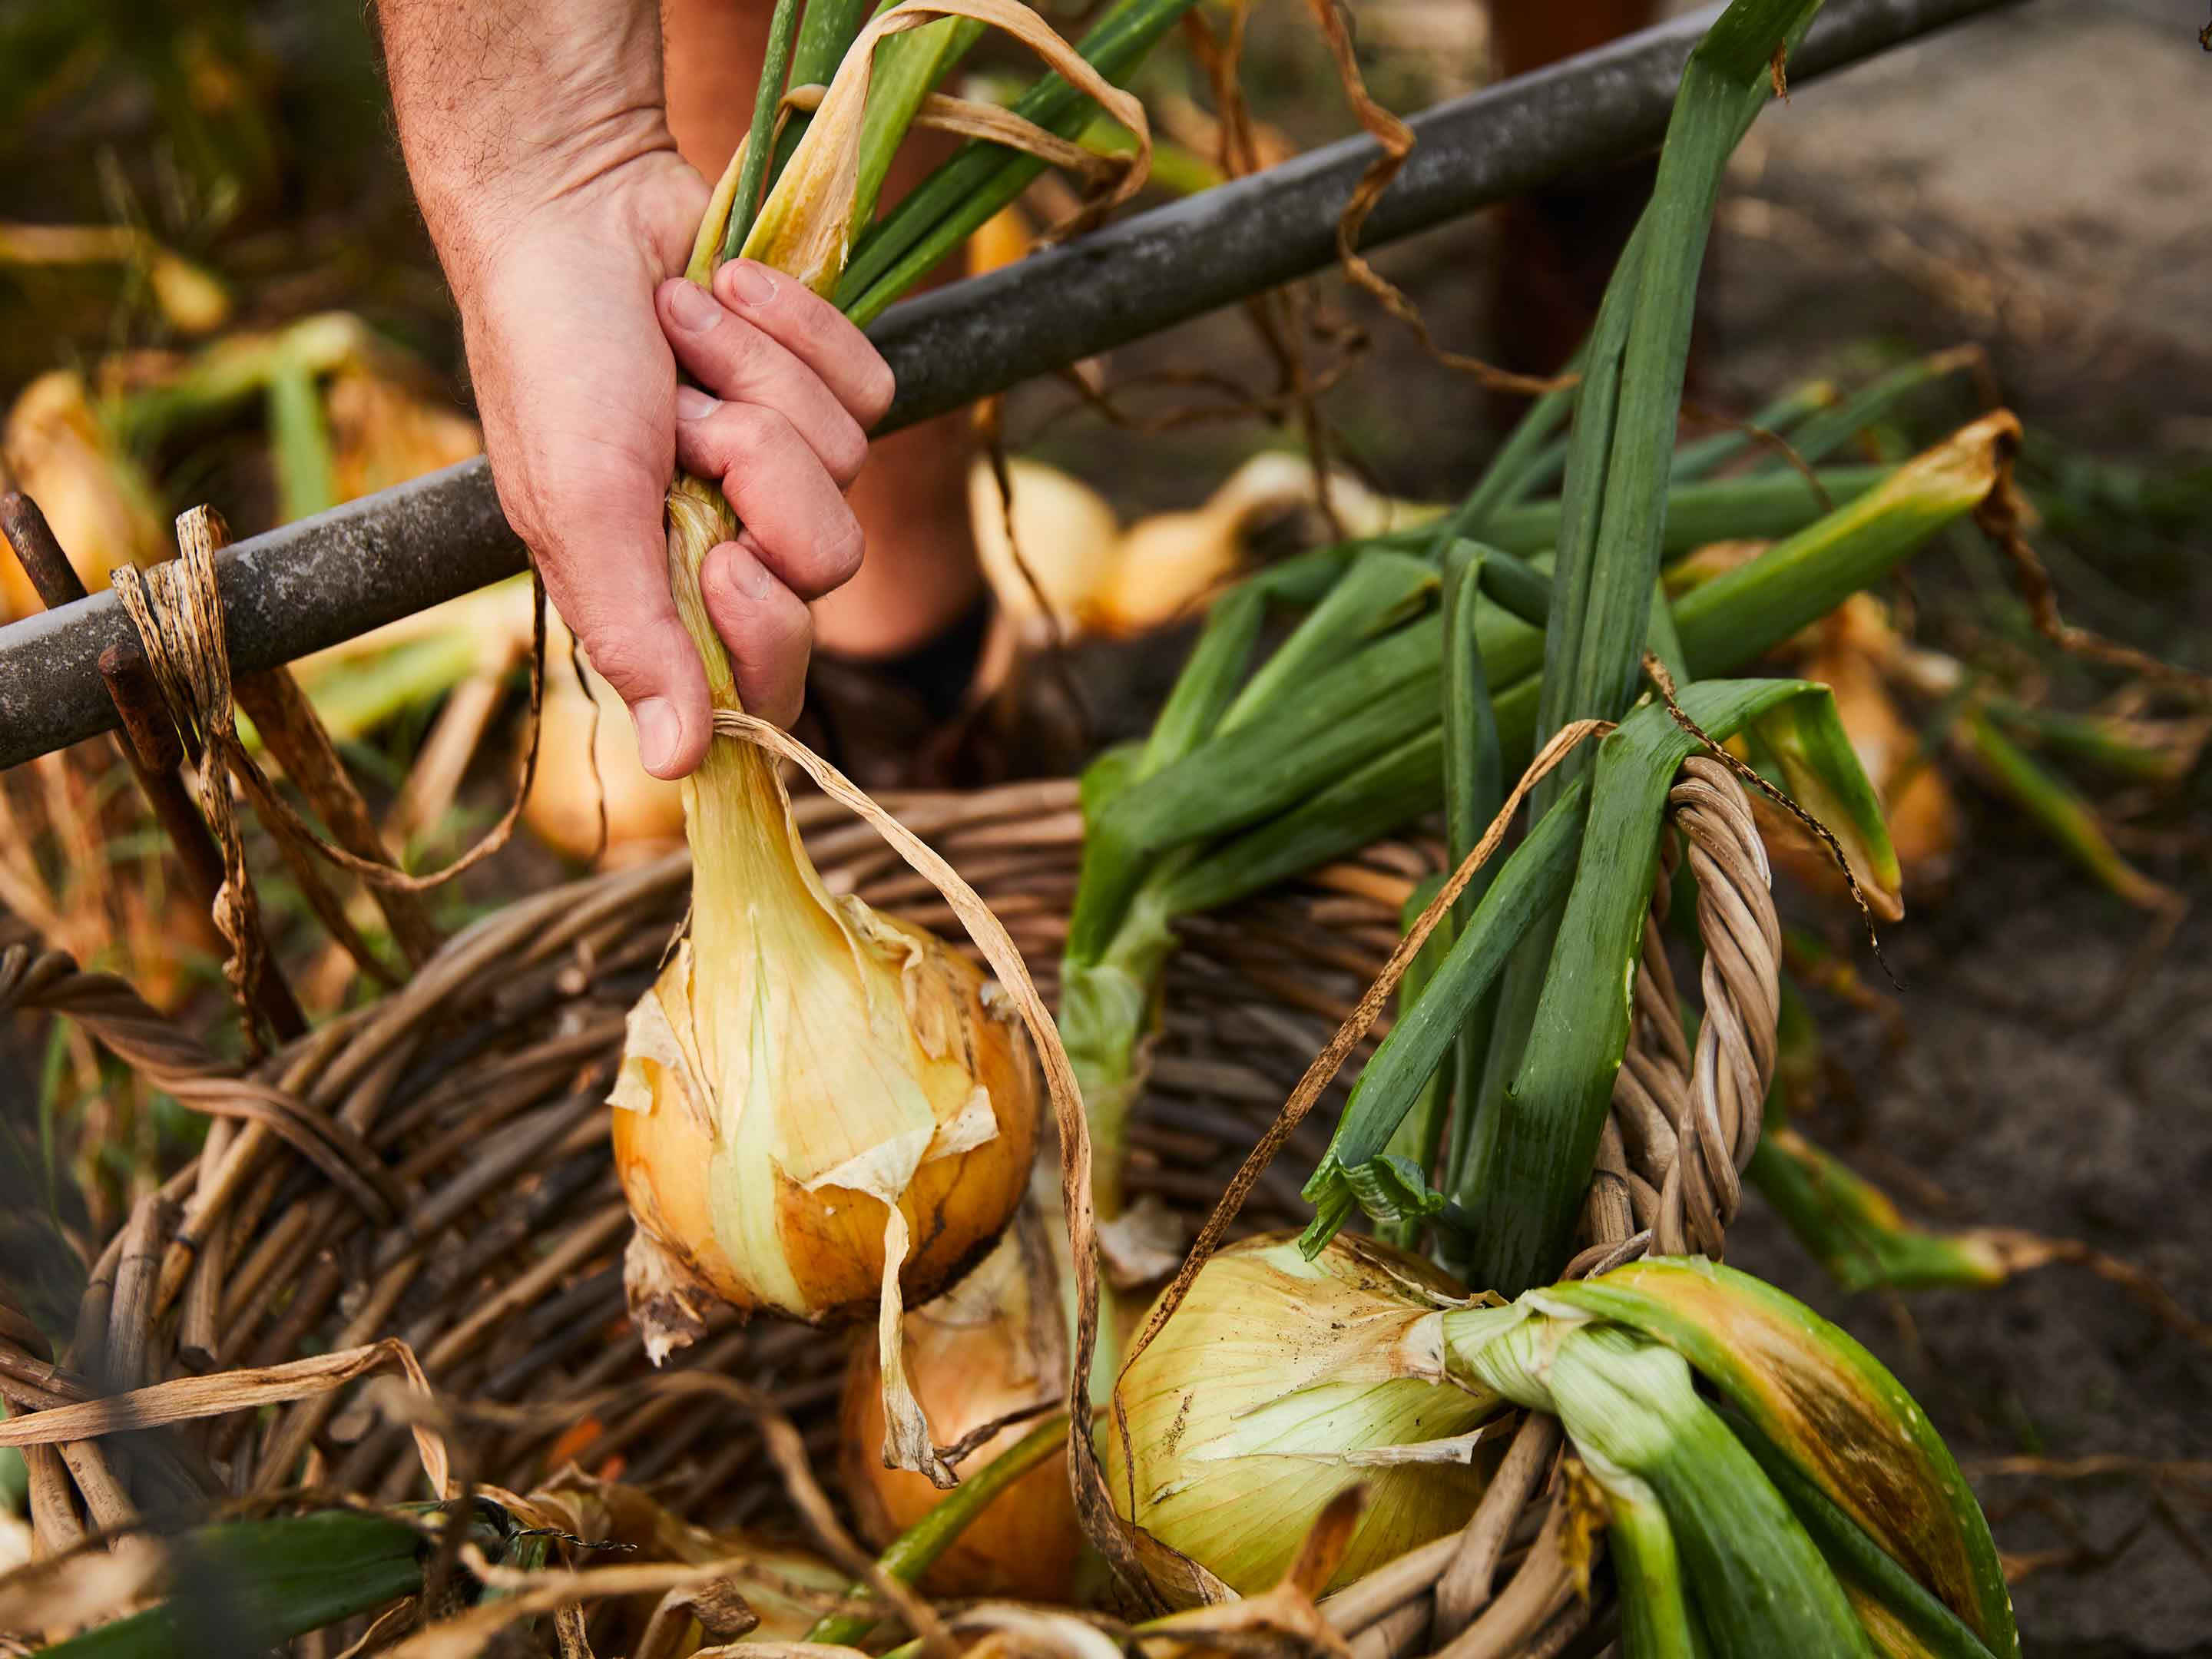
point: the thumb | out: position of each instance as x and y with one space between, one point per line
607 570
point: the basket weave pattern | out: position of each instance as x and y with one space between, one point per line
435 1169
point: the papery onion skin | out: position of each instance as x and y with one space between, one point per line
1338 1354
820 1110
974 1356
832 1237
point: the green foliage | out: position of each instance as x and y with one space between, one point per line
243 1586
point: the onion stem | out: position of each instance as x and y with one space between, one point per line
1475 789
826 32
775 63
731 801
915 1551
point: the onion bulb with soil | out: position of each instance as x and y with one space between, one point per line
994 1345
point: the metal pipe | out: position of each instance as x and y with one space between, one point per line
147 739
328 578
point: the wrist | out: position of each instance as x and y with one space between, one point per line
631 223
507 122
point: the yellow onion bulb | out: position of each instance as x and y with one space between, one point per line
1167 563
1062 548
1004 238
994 1345
56 450
1279 1383
587 764
744 1208
821 1110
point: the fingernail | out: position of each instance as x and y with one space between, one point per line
659 731
760 581
693 404
691 306
738 566
748 284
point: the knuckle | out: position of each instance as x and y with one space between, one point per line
840 550
771 661
879 386
624 658
807 319
848 450
738 350
785 617
756 437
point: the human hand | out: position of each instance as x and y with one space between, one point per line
537 140
576 329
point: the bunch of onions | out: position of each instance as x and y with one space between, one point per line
1818 1513
1080 573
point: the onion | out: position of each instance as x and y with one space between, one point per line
582 769
994 1345
56 450
1065 532
1004 238
1279 1383
1166 563
821 1110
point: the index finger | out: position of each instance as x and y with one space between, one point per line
814 331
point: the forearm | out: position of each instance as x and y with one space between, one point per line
537 141
507 107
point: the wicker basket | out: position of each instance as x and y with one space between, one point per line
435 1169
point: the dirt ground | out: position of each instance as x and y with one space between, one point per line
2031 177
2031 182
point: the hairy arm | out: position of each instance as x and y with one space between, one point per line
537 140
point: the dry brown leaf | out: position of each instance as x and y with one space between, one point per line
184 1399
1286 1612
80 1589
